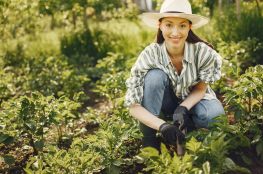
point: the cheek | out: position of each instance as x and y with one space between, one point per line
186 33
161 28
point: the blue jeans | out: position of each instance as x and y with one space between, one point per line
159 97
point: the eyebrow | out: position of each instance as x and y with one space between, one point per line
166 20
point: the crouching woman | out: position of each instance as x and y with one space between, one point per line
172 76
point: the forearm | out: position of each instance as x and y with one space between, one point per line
145 117
195 96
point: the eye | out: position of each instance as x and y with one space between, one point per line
183 26
168 25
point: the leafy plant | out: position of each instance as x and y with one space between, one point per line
244 100
207 157
245 97
78 159
165 163
79 47
33 117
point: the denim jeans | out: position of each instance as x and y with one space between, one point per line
159 97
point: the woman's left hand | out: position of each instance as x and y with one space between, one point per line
181 116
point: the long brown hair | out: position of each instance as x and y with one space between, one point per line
191 38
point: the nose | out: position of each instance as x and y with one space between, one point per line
175 31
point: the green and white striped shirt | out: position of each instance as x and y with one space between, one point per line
200 63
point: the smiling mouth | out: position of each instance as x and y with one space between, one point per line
175 39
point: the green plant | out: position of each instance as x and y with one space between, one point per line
24 116
104 151
7 88
112 86
165 163
77 159
109 141
244 100
79 47
245 97
238 56
33 116
207 157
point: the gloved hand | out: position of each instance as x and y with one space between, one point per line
170 133
181 117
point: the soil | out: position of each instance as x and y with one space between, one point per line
255 163
21 154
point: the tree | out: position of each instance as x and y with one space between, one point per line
258 7
211 4
238 9
49 7
18 18
220 6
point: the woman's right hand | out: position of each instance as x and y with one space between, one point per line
170 133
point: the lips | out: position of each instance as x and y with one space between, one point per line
175 39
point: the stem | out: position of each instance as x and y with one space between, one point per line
249 104
31 143
59 133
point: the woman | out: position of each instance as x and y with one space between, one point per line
173 75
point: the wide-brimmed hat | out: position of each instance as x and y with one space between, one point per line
174 8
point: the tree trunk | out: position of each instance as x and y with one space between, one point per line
52 25
258 7
220 6
211 5
238 9
85 18
74 18
148 4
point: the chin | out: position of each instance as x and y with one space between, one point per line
179 44
176 45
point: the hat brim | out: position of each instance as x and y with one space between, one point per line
152 19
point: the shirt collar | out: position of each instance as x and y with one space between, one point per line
188 53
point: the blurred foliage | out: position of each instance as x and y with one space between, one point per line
48 75
249 25
238 56
79 48
18 18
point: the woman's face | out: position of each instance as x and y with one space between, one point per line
175 31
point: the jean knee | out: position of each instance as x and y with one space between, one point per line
156 78
205 112
200 117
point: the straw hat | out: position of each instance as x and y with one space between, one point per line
174 8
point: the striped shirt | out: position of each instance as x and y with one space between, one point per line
200 63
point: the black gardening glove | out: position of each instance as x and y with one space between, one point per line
181 117
170 133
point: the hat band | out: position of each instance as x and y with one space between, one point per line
172 12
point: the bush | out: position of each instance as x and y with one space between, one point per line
48 75
244 101
240 55
53 76
33 116
232 29
245 96
79 48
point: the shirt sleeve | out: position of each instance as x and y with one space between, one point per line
210 63
135 82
